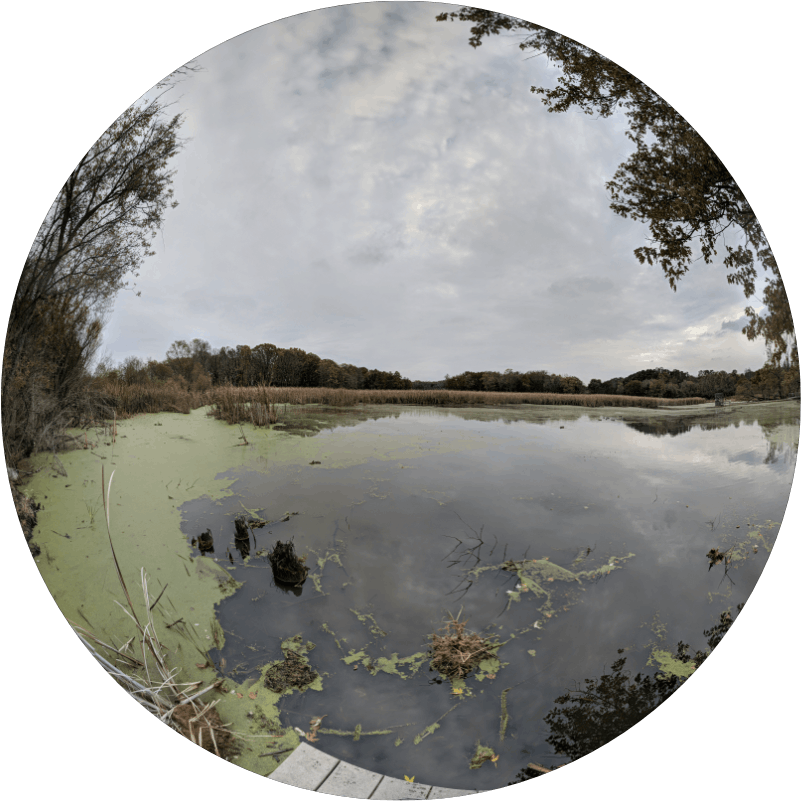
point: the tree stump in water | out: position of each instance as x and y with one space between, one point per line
205 542
288 567
242 528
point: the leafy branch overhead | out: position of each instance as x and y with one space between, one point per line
673 181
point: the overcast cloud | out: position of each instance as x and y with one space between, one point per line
364 185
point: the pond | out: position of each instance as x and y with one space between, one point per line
569 538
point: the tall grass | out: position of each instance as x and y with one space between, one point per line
257 404
173 395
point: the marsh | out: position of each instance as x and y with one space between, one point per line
407 516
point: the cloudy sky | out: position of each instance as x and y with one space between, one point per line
364 185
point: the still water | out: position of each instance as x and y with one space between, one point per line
418 530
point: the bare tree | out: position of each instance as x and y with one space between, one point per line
92 242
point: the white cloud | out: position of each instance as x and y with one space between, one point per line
460 225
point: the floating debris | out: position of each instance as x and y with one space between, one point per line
292 672
483 754
455 651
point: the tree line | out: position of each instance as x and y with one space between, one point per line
770 381
199 366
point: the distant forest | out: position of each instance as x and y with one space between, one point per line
201 367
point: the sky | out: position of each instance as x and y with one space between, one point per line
361 183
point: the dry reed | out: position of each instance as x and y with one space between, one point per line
252 404
127 400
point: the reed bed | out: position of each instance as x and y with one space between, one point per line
147 398
259 405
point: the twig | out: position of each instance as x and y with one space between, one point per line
275 753
159 598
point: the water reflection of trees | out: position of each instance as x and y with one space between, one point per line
779 427
600 709
779 424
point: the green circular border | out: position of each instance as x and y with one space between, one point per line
72 68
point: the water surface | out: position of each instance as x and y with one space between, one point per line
421 525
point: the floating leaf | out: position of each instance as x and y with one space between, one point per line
457 691
408 779
252 696
201 665
239 695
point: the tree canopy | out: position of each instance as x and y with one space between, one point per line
673 181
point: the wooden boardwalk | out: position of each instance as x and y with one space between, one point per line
311 769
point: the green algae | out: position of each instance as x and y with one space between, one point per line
482 754
669 665
367 617
357 733
158 466
153 475
662 658
399 666
536 575
354 656
418 738
394 665
327 629
504 714
330 555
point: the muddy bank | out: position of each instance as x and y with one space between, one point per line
26 510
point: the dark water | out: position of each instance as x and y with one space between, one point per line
475 493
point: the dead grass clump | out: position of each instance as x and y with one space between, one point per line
256 405
288 567
455 651
292 672
205 729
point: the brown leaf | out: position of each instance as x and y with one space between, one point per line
239 695
252 696
201 665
